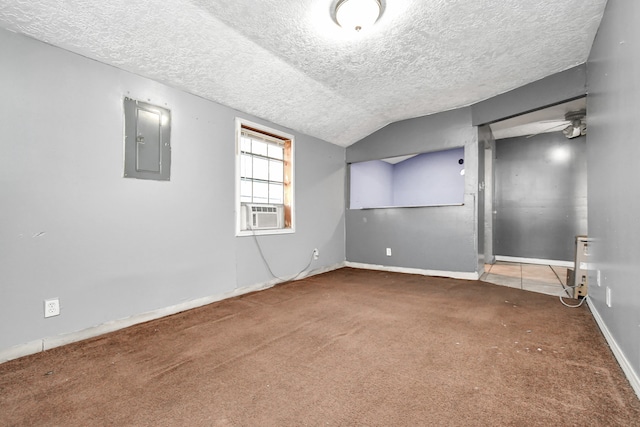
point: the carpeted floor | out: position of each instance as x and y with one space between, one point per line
349 347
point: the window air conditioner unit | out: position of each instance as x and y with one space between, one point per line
262 216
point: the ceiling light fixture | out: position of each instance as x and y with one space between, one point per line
357 14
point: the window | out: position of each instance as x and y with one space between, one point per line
264 180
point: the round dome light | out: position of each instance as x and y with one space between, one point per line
357 14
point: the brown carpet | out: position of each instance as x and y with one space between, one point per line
349 347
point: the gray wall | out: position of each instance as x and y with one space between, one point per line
551 90
72 227
487 149
614 188
431 238
540 196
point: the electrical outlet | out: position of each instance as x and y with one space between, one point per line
51 307
608 297
388 251
316 253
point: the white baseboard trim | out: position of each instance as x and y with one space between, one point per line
451 274
21 350
632 376
48 343
568 264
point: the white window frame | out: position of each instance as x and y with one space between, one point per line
240 123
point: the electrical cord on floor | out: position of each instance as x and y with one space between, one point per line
566 289
572 306
266 263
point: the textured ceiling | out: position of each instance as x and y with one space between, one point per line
288 62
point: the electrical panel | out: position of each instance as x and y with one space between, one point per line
147 148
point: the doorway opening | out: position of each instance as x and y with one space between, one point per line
536 182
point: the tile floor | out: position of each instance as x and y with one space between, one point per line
545 279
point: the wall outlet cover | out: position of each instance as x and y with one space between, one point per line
51 307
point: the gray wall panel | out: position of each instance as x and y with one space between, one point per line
423 134
72 227
485 137
434 238
614 188
551 90
431 238
487 147
540 196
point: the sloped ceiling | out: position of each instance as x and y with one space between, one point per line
288 62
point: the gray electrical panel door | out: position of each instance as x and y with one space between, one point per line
147 148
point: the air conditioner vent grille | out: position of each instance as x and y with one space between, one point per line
258 217
264 209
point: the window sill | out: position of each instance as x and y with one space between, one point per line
244 233
406 206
